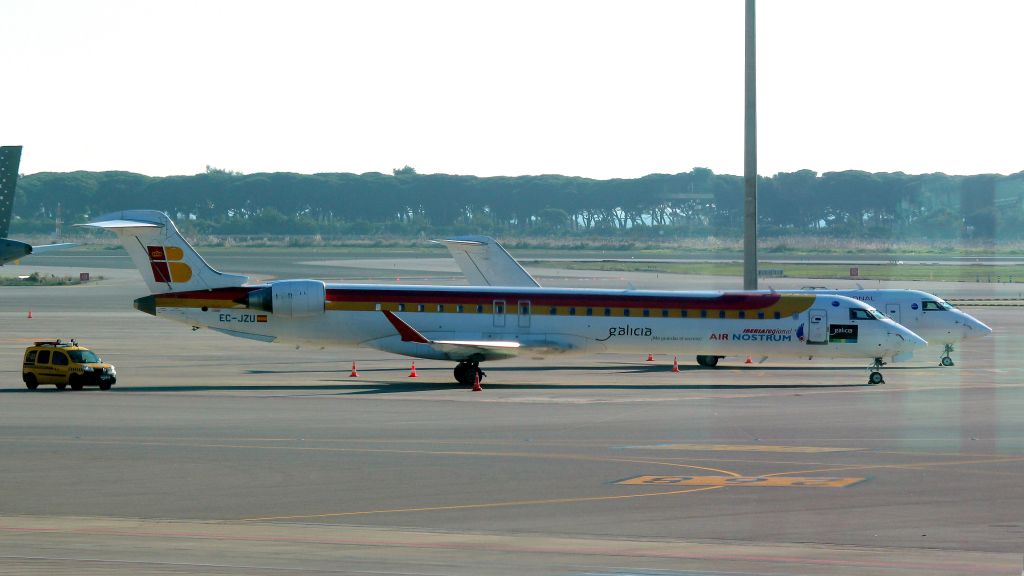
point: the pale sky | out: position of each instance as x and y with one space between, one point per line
584 88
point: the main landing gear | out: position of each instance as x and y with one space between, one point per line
876 377
708 361
946 360
467 372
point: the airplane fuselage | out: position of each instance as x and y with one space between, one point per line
544 321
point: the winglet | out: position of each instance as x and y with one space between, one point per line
408 333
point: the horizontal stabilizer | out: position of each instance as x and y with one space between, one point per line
52 247
117 223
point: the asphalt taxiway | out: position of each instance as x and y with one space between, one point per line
215 455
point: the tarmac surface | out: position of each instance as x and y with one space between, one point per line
215 455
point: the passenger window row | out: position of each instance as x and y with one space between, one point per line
525 309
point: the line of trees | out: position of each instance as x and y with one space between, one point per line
699 202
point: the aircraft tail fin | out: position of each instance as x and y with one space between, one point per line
10 160
484 262
167 262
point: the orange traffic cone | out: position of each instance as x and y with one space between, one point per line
30 313
476 383
650 357
675 364
412 373
354 374
749 361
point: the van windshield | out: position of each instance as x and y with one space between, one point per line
83 356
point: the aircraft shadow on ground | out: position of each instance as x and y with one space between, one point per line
371 386
632 369
619 368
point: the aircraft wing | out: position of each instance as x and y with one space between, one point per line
484 262
454 349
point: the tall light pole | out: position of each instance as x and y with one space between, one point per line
750 155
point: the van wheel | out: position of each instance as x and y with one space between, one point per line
30 382
104 385
76 383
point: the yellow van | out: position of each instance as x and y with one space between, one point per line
65 363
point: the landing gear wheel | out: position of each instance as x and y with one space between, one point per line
466 373
947 361
76 383
708 361
876 377
30 382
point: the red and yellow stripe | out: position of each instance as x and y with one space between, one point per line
727 305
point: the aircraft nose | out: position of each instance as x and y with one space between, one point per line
975 327
910 340
916 340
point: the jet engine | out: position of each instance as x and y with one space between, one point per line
290 298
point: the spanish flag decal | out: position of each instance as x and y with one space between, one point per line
166 264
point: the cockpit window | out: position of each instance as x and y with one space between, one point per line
864 314
929 305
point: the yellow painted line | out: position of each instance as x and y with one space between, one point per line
722 481
466 453
908 466
484 505
746 448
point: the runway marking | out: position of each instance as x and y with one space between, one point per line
437 453
775 481
482 505
745 448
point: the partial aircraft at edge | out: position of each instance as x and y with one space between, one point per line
470 325
10 250
485 262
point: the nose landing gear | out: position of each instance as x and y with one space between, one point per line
875 377
466 373
946 360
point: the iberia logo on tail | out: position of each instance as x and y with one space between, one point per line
166 264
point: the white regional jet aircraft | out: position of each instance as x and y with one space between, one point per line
469 325
485 262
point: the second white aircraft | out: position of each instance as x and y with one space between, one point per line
485 262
